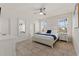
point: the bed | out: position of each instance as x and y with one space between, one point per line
45 38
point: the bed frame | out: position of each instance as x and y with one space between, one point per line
50 42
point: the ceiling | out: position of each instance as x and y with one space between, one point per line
52 9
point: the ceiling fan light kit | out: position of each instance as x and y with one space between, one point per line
41 13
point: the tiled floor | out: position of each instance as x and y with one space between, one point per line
29 48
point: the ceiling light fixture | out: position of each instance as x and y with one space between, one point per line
41 13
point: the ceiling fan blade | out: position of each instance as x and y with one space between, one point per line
36 12
37 9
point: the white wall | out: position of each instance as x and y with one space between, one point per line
75 31
76 40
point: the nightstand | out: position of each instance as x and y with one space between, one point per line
63 37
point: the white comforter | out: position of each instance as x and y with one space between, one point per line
48 40
43 37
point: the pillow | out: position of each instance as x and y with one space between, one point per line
49 31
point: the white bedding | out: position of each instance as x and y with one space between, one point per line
43 36
48 40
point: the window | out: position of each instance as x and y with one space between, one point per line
62 24
21 26
43 25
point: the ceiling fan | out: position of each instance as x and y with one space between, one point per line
42 11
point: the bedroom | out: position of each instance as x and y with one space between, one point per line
25 22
